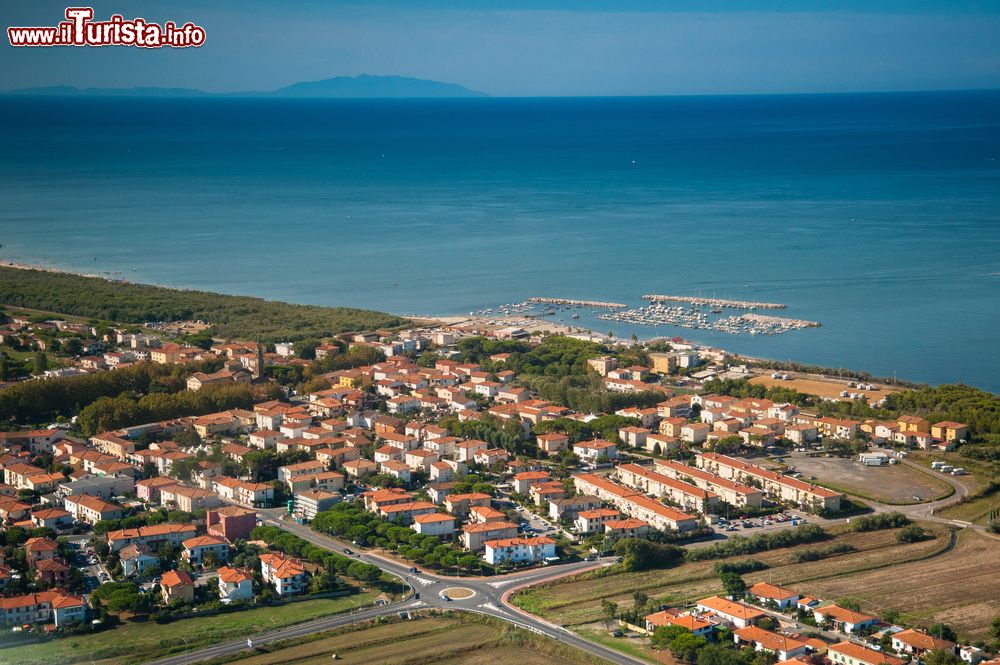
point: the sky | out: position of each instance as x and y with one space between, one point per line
549 48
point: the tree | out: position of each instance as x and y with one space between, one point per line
713 654
41 362
609 613
995 628
664 635
639 600
73 346
940 657
735 586
686 647
942 631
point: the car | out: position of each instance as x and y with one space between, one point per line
416 595
617 633
347 550
413 569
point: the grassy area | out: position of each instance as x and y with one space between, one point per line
576 601
449 639
139 642
636 646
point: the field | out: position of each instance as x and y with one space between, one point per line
444 640
814 385
576 601
896 484
138 642
960 588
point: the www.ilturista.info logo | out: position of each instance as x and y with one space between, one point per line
79 29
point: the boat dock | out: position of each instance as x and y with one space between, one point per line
749 323
577 303
715 302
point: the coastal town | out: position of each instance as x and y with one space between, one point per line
435 449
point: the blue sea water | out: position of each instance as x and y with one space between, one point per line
878 215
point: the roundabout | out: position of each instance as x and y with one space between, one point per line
457 593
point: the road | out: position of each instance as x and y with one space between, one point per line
489 597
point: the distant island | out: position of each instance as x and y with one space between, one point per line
362 86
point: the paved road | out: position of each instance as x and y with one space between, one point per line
490 597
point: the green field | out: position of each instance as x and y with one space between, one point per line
139 642
459 639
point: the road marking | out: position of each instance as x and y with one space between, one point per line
424 581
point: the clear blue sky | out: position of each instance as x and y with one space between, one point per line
587 47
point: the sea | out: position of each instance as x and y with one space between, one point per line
877 215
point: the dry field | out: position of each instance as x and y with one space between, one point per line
577 600
814 385
960 588
440 640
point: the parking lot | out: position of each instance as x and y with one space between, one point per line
895 483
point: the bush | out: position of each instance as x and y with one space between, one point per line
912 533
879 522
740 567
737 545
639 554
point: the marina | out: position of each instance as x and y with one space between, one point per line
715 302
658 314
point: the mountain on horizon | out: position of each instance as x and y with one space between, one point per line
344 87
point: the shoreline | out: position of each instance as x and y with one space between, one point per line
530 324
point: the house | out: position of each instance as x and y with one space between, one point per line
149 489
917 643
519 550
634 436
231 523
593 521
913 424
950 431
627 528
38 550
699 627
235 584
764 592
474 536
359 468
177 585
695 432
804 494
552 443
137 560
785 648
844 620
595 450
45 607
733 612
90 509
288 574
849 653
540 493
311 502
51 518
151 536
460 504
198 548
434 524
522 482
569 507
405 513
